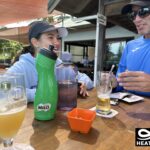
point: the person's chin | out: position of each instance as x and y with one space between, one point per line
142 31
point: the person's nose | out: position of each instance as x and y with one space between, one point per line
137 18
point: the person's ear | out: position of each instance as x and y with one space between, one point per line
34 42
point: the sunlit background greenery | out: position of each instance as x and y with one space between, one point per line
8 50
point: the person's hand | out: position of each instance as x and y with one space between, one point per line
82 89
135 80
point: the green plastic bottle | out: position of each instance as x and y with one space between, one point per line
45 102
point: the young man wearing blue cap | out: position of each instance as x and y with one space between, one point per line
134 67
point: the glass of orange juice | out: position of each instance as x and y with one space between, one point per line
13 103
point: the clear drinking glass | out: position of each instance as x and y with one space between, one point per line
104 89
13 104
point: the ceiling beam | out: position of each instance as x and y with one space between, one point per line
114 8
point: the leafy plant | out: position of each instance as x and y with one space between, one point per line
8 49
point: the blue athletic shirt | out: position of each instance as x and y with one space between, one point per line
135 57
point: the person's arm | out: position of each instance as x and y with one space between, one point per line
18 67
135 80
82 77
30 94
85 83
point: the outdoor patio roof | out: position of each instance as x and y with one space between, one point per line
81 8
12 11
17 10
17 34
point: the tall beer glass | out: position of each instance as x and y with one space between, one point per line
104 89
13 103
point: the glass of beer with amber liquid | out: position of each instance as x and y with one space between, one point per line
13 103
104 89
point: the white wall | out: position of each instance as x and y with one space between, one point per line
119 32
114 32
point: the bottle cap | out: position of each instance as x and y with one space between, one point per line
49 52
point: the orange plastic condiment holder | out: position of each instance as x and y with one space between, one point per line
80 120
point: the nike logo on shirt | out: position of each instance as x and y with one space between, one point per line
134 50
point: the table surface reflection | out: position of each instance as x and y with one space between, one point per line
117 133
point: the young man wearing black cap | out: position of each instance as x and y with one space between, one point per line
41 35
134 67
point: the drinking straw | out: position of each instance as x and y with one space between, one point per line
110 72
112 67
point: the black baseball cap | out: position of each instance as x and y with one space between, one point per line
128 8
39 27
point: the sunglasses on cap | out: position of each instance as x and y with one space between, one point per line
142 13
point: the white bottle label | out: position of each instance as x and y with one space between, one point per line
43 107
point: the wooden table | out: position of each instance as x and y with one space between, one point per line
117 133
